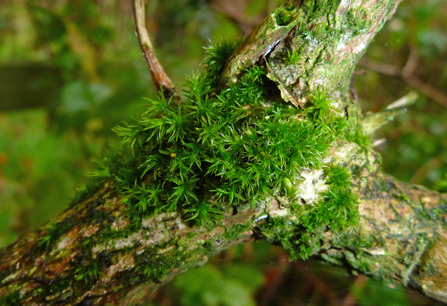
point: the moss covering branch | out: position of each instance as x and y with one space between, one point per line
266 144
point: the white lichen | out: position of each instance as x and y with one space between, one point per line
312 186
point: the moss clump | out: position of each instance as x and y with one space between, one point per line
217 56
336 211
356 21
155 266
217 149
52 234
222 147
88 273
282 17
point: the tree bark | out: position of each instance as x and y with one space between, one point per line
93 254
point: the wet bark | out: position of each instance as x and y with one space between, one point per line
94 254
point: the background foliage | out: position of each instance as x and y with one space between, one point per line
71 70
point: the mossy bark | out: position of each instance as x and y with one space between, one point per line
94 254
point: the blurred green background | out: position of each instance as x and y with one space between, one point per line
70 70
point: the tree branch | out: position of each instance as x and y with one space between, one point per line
158 74
98 253
407 75
234 10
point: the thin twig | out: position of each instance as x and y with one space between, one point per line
319 284
158 74
411 65
383 68
407 75
359 283
422 172
427 90
234 9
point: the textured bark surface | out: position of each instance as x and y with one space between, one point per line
92 253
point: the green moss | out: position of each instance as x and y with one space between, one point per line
12 299
357 135
217 56
236 231
50 237
88 273
155 266
129 278
336 211
231 146
53 233
55 286
85 192
292 57
284 16
316 9
357 21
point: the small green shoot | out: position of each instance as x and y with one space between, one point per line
282 17
50 237
203 212
292 57
88 273
53 233
217 56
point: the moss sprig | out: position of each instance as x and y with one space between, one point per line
217 56
88 273
292 57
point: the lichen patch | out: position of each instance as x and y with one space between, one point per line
312 186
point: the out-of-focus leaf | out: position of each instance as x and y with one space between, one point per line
79 96
101 35
248 275
208 286
75 97
375 293
49 23
425 11
100 92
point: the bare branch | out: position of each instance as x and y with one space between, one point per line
407 75
359 283
422 172
158 74
411 64
234 11
383 68
427 90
